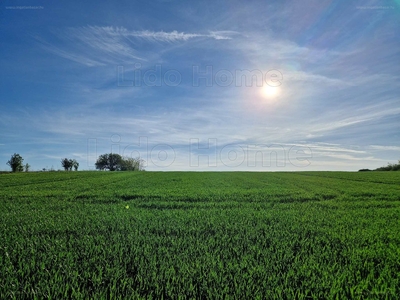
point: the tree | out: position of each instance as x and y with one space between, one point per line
132 164
75 164
110 161
115 162
67 164
16 163
27 167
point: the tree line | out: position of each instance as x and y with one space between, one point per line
108 161
388 167
116 162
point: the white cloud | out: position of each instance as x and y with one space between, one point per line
97 46
325 147
314 78
222 35
385 148
368 114
76 57
163 36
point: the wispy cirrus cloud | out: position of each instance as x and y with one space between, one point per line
98 46
161 36
385 148
75 56
342 119
301 76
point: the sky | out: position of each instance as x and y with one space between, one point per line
302 85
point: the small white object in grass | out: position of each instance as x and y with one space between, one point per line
127 207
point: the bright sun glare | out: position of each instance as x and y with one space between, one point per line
269 92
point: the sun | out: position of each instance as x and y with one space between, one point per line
270 92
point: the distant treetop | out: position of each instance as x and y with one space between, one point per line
115 162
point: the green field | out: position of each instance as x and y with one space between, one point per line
131 235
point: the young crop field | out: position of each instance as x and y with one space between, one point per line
215 235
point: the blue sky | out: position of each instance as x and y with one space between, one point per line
189 85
